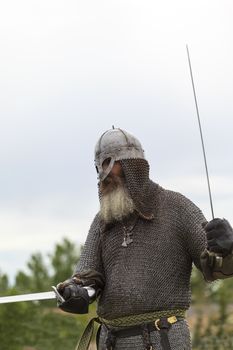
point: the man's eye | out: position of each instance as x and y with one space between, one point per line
106 162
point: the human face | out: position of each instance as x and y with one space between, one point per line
114 179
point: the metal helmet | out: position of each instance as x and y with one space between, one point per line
113 145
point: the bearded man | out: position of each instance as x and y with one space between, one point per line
139 252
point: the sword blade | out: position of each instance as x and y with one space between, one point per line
28 297
54 294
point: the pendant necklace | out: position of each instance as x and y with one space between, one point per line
127 237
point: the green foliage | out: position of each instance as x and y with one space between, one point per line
37 279
28 325
215 334
40 325
15 321
41 275
213 327
63 260
4 283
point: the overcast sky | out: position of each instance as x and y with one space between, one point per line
72 69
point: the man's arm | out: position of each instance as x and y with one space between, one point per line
88 273
89 270
210 244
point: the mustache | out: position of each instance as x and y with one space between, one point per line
110 183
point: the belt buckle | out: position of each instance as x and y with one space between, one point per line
156 324
171 320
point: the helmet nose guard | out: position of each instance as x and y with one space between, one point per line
115 144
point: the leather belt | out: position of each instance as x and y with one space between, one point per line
162 325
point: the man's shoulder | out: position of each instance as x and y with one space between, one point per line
95 224
98 224
175 197
96 219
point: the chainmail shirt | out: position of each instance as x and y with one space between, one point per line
153 272
143 264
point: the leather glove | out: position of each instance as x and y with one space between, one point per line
219 236
76 297
68 288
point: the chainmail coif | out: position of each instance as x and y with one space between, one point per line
142 190
152 273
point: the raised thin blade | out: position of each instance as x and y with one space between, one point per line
28 297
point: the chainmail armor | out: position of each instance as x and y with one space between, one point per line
142 190
153 272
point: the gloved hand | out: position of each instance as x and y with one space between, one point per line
76 297
69 288
219 236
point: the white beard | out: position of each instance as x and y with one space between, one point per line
116 205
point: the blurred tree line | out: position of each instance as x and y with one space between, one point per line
42 326
212 304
